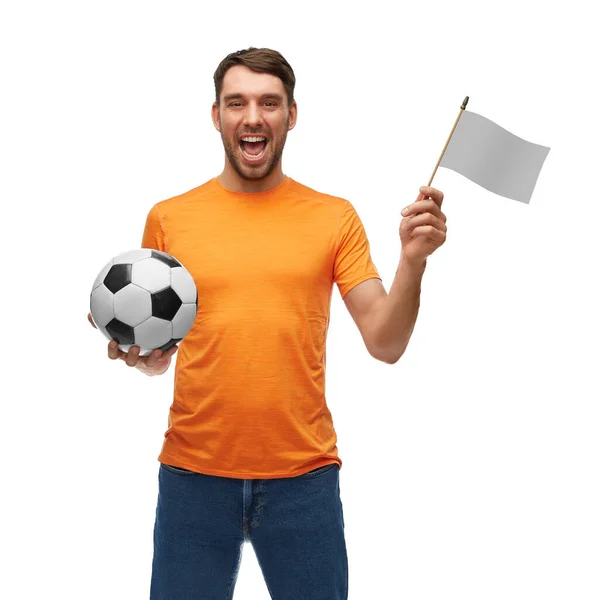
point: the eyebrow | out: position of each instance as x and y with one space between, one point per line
237 96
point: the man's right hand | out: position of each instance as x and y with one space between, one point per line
156 363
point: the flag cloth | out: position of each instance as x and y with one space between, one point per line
494 158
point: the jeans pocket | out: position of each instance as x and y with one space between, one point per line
177 470
319 471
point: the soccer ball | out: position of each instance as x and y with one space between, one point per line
144 298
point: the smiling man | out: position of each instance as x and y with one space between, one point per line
254 116
250 453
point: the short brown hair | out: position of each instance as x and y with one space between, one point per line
260 60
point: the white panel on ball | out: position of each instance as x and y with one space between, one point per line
153 333
183 284
127 347
151 274
101 305
132 305
131 256
183 321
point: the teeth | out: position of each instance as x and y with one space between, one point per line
253 139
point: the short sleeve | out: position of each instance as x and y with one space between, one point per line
153 234
353 263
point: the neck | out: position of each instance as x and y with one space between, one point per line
232 181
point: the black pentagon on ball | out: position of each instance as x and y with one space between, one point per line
165 258
118 277
165 304
121 332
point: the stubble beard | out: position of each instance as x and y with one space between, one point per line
255 172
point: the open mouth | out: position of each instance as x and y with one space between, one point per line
253 151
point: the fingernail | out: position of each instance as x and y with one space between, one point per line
404 211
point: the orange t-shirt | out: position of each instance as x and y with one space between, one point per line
249 386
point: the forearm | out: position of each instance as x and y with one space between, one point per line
397 313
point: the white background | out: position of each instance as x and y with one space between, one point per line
465 464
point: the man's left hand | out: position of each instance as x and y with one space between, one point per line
423 227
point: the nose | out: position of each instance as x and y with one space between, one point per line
253 115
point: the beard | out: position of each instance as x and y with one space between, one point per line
274 149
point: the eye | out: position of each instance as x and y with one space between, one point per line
271 103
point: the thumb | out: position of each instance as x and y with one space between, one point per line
91 321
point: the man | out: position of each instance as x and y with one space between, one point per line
250 453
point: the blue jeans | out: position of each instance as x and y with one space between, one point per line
295 525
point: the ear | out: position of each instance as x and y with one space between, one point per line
292 116
215 116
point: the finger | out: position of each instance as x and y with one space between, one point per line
167 355
429 192
422 206
151 360
132 356
91 321
171 351
113 350
430 232
409 223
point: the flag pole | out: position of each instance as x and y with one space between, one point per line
449 137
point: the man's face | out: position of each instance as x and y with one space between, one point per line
253 104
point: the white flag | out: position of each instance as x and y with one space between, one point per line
494 158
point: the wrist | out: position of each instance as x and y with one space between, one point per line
412 265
